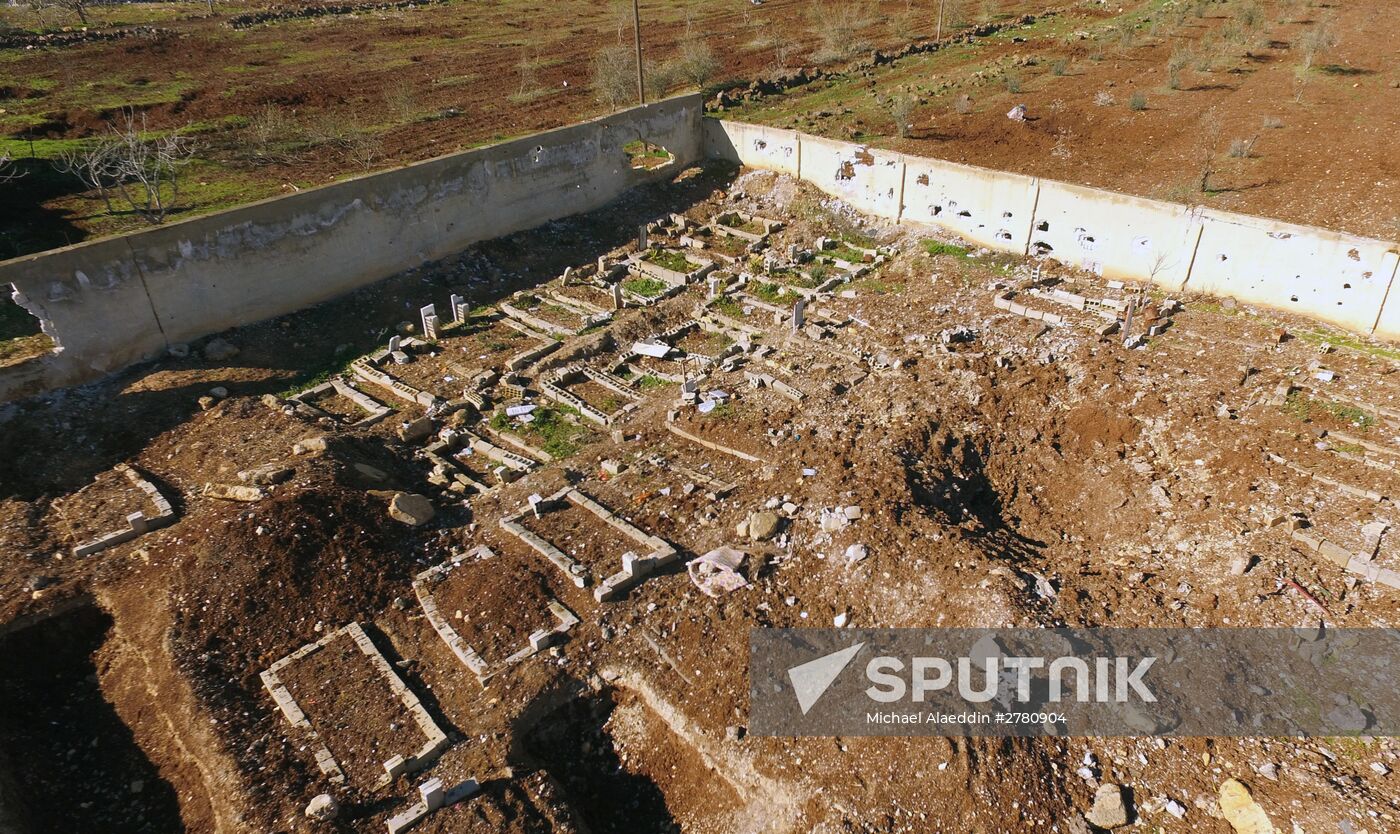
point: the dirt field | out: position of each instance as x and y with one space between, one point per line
1027 475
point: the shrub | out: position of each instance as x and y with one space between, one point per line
1242 148
1103 98
1060 67
1273 122
1138 102
1013 82
902 111
697 63
838 29
963 104
1175 64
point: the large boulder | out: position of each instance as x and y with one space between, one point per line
323 808
411 508
1241 811
763 525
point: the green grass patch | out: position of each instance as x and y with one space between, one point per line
726 306
1342 340
674 261
1305 408
938 247
551 432
646 287
651 382
845 253
768 292
20 335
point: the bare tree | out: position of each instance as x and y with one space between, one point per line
614 69
77 7
902 111
143 169
7 172
697 63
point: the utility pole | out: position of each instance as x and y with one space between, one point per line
939 35
637 39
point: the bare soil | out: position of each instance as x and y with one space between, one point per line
1127 482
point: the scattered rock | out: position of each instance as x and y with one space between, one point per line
1241 811
416 431
1110 810
323 808
309 446
762 525
179 351
856 553
266 475
206 403
371 473
218 392
613 467
411 508
218 350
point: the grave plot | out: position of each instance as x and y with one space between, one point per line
730 249
591 297
532 802
675 267
586 541
667 489
384 367
597 395
544 432
738 424
654 359
848 256
118 506
704 340
341 402
615 750
786 283
491 611
553 316
745 226
359 720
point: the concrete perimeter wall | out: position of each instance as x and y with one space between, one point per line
1338 278
114 301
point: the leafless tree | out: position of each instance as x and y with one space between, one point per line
614 75
697 63
141 168
77 7
7 172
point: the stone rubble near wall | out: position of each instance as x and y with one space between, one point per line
138 523
1358 564
1368 494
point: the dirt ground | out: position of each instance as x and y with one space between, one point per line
1030 476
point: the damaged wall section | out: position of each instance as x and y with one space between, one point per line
115 301
1338 278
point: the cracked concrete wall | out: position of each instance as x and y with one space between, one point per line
1337 278
109 303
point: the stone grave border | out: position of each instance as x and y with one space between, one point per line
138 523
638 264
634 570
717 487
376 409
431 797
530 355
708 444
589 318
556 389
436 740
370 369
538 641
719 224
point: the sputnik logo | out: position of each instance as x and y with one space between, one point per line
810 680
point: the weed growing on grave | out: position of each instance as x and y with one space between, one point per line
771 293
1303 407
845 253
726 306
651 382
648 287
674 261
1317 337
555 435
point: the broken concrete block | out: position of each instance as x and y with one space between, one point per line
613 467
416 431
411 508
